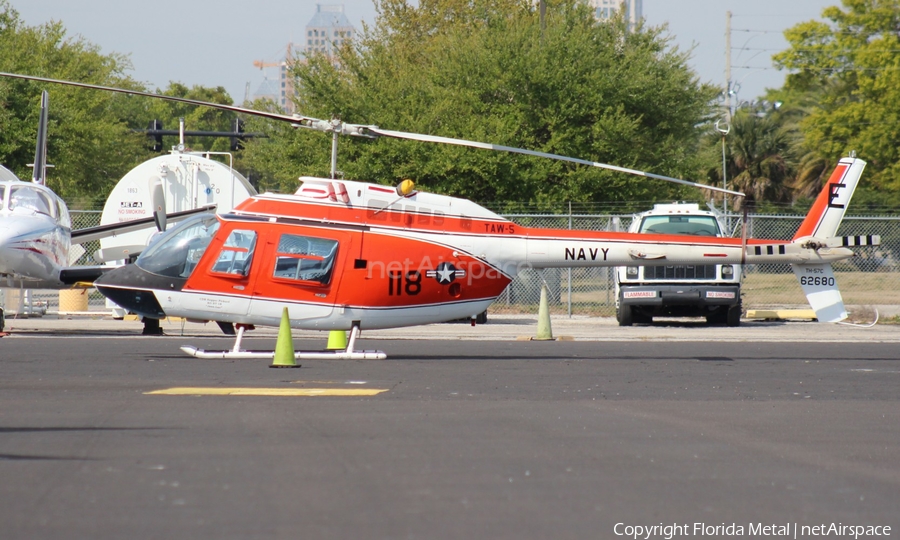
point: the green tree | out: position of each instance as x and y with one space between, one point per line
486 70
852 67
88 144
94 136
195 118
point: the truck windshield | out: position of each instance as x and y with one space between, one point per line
694 225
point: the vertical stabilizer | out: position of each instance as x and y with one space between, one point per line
39 175
826 214
822 222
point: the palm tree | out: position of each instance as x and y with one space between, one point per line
812 171
758 159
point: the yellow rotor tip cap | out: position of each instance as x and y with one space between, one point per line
405 187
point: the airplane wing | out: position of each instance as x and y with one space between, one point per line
88 234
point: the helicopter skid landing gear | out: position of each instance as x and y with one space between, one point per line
237 353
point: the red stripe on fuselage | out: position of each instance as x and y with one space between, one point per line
425 220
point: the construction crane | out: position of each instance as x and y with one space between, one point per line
285 82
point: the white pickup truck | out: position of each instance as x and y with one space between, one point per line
712 291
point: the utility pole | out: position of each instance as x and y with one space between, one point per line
728 65
542 12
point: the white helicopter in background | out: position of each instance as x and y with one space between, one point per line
36 235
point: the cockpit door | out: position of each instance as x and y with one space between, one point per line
229 272
299 268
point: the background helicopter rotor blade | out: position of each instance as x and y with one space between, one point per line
360 130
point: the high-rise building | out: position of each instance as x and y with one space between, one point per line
325 33
605 9
327 30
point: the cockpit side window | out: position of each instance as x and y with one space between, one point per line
64 219
237 254
305 258
2 197
30 199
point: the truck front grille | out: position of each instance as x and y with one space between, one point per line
681 271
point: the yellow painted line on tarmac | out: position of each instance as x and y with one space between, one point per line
217 391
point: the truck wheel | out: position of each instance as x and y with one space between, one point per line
624 315
719 316
733 317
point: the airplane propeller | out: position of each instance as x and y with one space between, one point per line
337 127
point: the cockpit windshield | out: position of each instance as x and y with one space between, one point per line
177 252
28 198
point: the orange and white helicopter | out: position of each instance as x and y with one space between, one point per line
349 255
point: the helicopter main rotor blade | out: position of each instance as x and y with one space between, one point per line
296 120
500 148
233 108
361 130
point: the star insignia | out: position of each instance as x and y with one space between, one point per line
445 273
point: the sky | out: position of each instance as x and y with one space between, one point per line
215 43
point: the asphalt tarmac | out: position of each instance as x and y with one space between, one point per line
106 434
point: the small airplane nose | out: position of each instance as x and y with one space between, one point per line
132 288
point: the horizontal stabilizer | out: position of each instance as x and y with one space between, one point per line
813 250
839 241
853 241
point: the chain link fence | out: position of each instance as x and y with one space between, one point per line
872 278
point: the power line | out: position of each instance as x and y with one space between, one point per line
813 50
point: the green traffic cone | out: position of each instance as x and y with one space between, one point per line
284 347
337 340
544 332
